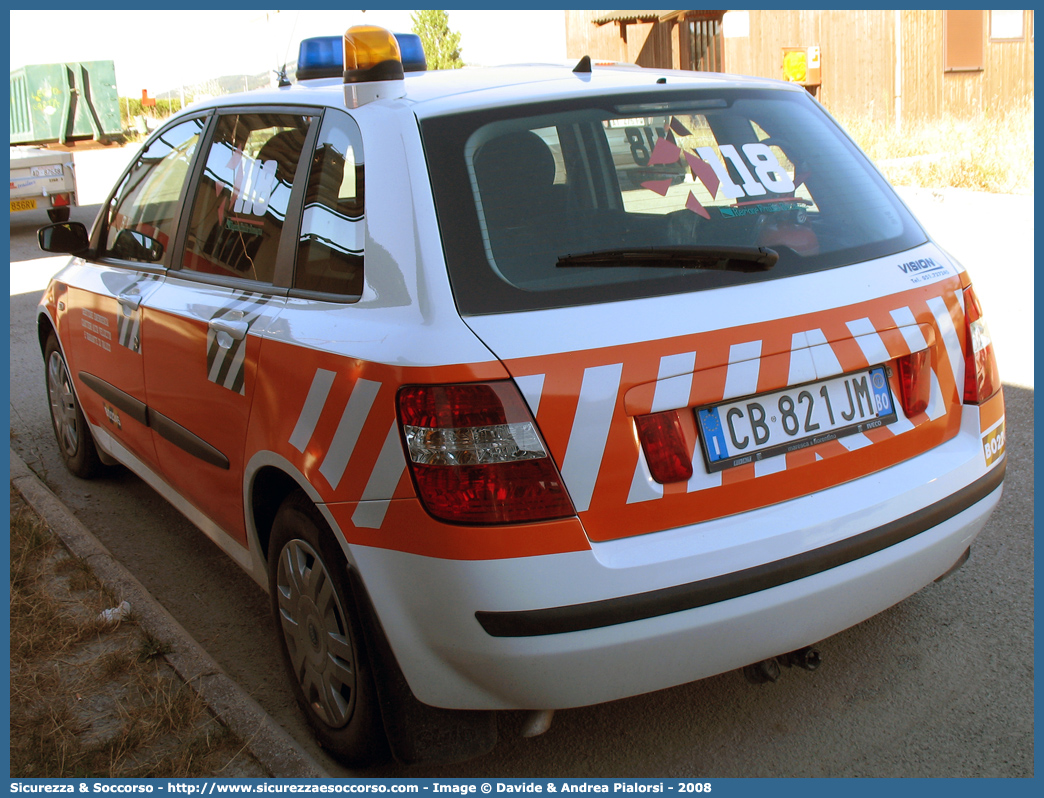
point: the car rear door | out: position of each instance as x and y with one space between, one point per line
204 326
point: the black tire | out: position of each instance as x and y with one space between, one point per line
58 215
75 442
320 635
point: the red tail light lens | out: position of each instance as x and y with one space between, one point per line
476 456
60 200
915 382
981 376
664 446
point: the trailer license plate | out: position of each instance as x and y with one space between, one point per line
23 204
47 171
743 431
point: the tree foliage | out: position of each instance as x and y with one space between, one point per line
131 107
441 45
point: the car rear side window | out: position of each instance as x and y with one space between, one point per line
612 198
243 195
330 247
143 213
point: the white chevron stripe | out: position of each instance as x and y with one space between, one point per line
381 485
313 406
348 430
826 362
744 367
773 465
802 368
855 442
643 487
531 386
869 340
936 403
907 323
700 479
587 439
674 382
950 338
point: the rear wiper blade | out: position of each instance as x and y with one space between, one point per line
740 259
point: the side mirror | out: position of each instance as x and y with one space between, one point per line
132 245
67 238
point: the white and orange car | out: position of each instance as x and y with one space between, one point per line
528 387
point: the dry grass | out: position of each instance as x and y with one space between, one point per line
993 152
90 698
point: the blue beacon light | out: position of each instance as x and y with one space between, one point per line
323 56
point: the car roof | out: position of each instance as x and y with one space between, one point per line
439 92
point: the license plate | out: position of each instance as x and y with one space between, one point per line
743 431
23 205
46 171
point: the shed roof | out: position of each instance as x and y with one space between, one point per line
627 17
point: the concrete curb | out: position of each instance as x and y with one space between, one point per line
269 743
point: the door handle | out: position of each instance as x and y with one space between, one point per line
234 328
129 302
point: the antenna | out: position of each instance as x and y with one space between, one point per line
289 43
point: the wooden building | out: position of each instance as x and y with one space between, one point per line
666 39
890 64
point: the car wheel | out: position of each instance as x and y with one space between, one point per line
58 215
75 443
320 635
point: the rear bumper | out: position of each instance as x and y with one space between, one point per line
627 609
653 611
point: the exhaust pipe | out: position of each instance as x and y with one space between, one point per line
537 722
807 658
762 672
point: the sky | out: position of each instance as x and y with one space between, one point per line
160 50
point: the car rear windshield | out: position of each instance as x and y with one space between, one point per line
609 198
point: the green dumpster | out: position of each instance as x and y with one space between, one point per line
64 102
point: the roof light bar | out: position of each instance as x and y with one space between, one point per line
323 56
371 54
413 58
320 57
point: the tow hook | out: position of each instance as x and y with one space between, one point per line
767 670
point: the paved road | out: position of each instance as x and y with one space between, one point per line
941 685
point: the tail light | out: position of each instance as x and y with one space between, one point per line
915 381
981 376
476 456
664 446
60 200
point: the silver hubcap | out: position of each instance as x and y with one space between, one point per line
63 405
316 634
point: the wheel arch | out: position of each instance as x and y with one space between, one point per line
269 479
268 490
45 328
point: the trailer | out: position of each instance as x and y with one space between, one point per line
42 178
